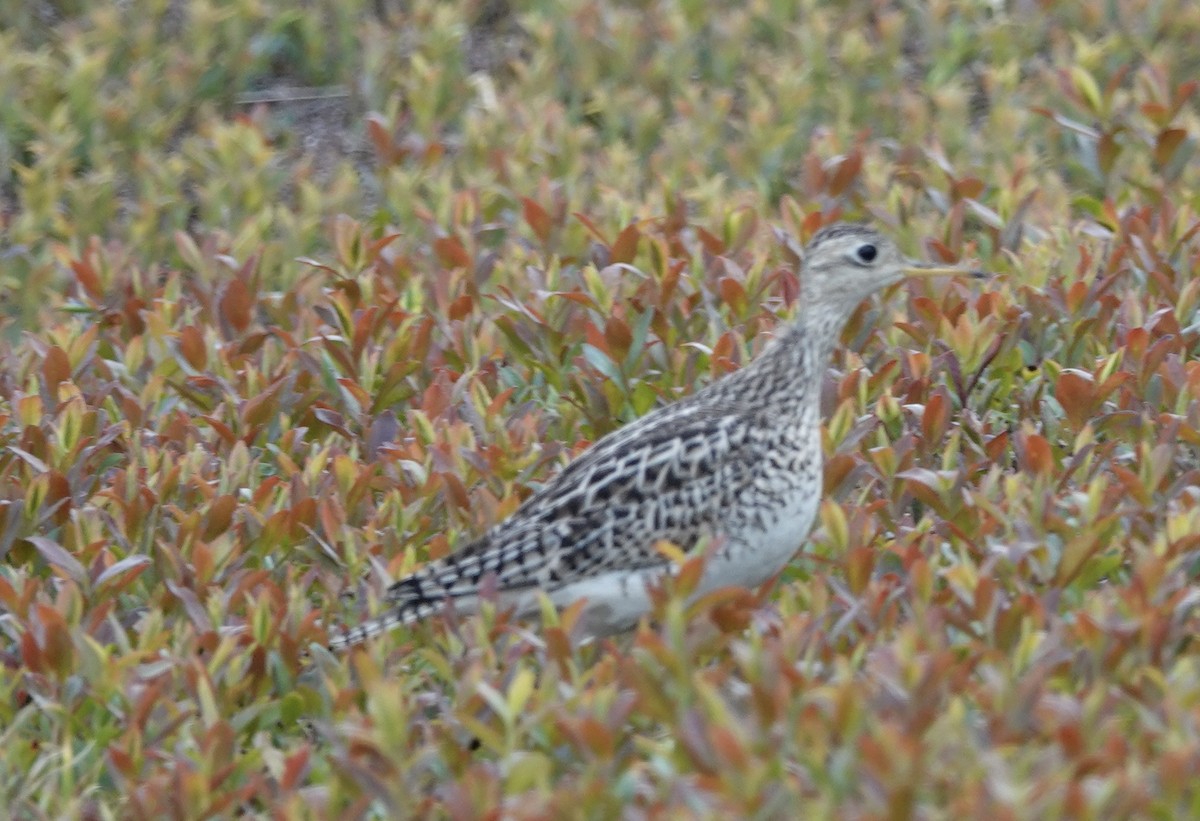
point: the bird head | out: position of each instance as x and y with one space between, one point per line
846 262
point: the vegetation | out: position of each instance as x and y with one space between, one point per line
299 295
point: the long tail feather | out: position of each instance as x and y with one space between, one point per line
396 615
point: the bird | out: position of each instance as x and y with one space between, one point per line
734 469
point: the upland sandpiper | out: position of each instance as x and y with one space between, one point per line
736 465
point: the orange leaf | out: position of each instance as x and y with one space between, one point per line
86 276
381 139
1033 453
625 247
712 244
846 172
219 516
968 188
591 228
56 368
597 737
790 285
538 219
31 654
722 353
936 419
732 293
236 304
294 768
1075 391
814 182
460 307
191 345
260 409
1076 295
58 496
996 446
860 561
837 470
456 491
439 547
451 253
617 335
57 647
1167 143
690 574
497 404
122 761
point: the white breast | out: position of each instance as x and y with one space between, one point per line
618 599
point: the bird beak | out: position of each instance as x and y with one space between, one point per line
925 269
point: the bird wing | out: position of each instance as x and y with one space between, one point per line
644 483
668 476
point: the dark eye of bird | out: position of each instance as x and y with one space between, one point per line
867 252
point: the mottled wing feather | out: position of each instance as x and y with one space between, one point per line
608 509
657 479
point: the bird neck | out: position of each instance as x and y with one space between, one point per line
796 359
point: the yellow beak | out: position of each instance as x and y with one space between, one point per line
924 269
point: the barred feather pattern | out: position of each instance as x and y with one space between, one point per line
737 463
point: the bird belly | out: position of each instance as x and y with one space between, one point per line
754 554
618 599
615 600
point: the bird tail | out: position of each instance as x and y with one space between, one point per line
410 600
396 615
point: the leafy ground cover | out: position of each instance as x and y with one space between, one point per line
297 296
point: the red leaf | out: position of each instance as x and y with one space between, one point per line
996 446
846 172
617 335
381 139
294 768
456 491
219 516
122 761
625 247
538 219
1183 93
1033 453
1166 145
460 307
732 293
86 276
236 304
1075 391
56 368
57 647
260 409
936 419
31 654
191 345
790 286
712 244
591 228
451 253
968 188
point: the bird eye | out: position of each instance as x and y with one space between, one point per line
867 252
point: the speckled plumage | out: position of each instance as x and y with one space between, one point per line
738 462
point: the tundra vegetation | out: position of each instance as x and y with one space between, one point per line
297 296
